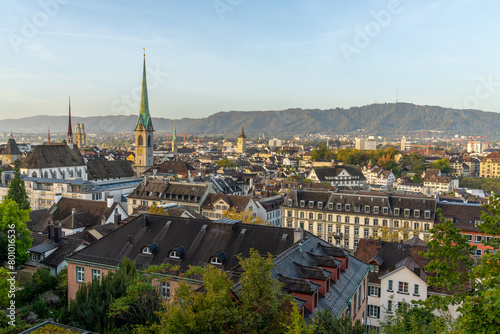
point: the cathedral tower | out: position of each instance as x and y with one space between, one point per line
242 144
143 131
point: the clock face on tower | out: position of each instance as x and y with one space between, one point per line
139 151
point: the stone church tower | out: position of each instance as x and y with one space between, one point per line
80 139
143 131
242 144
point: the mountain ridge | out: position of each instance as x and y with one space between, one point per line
383 119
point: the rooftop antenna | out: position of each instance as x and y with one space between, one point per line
396 96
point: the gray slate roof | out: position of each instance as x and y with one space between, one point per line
53 155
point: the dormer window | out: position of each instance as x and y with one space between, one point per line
311 204
416 213
320 205
216 260
385 210
357 208
396 211
347 207
339 206
427 214
330 206
302 203
147 250
150 249
407 212
367 208
174 255
290 202
375 209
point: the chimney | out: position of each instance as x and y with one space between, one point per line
129 238
73 212
58 233
103 220
58 198
298 234
146 220
110 201
51 230
117 218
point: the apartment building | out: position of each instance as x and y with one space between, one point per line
343 218
490 165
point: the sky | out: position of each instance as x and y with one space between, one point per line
208 56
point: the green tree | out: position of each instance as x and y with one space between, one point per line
226 163
443 165
476 286
413 162
14 234
325 323
17 190
246 216
322 153
412 320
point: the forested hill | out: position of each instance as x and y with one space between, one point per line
378 119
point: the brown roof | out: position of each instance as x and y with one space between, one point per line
165 190
238 202
493 156
463 215
11 148
87 213
299 285
53 155
172 167
100 169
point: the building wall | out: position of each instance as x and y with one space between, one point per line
73 284
489 168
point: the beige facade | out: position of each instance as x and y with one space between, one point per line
342 218
490 165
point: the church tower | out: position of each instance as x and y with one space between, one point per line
143 131
174 141
69 135
242 144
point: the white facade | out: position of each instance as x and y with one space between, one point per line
275 142
366 144
61 172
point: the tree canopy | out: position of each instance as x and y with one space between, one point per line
246 216
17 190
14 232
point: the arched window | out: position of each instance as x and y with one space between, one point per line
46 175
146 250
216 260
140 141
33 174
149 141
174 255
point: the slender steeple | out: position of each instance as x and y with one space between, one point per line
48 135
242 133
174 140
70 128
144 119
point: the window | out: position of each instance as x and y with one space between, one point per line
375 221
426 227
356 220
174 255
330 206
311 215
396 211
374 291
339 206
356 231
216 260
385 210
416 226
311 204
389 286
348 207
320 205
415 289
346 243
330 228
347 219
478 252
310 226
96 274
290 202
357 208
416 213
407 212
320 216
406 224
320 227
396 223
346 231
146 250
375 209
302 215
403 287
80 274
165 290
367 208
389 306
427 214
356 243
289 213
338 230
34 257
330 218
366 233
384 222
374 311
302 204
330 240
478 239
367 221
339 218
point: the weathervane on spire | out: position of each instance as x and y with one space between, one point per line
144 51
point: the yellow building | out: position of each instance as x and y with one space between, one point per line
490 165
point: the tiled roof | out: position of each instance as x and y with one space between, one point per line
100 169
53 155
238 202
164 190
11 148
463 215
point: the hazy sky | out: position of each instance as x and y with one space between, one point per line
219 55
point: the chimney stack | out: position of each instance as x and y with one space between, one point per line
110 201
146 220
58 233
117 218
298 234
51 230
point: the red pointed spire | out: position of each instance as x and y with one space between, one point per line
70 130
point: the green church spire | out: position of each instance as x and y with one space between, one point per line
144 117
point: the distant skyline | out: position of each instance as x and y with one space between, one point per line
220 55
